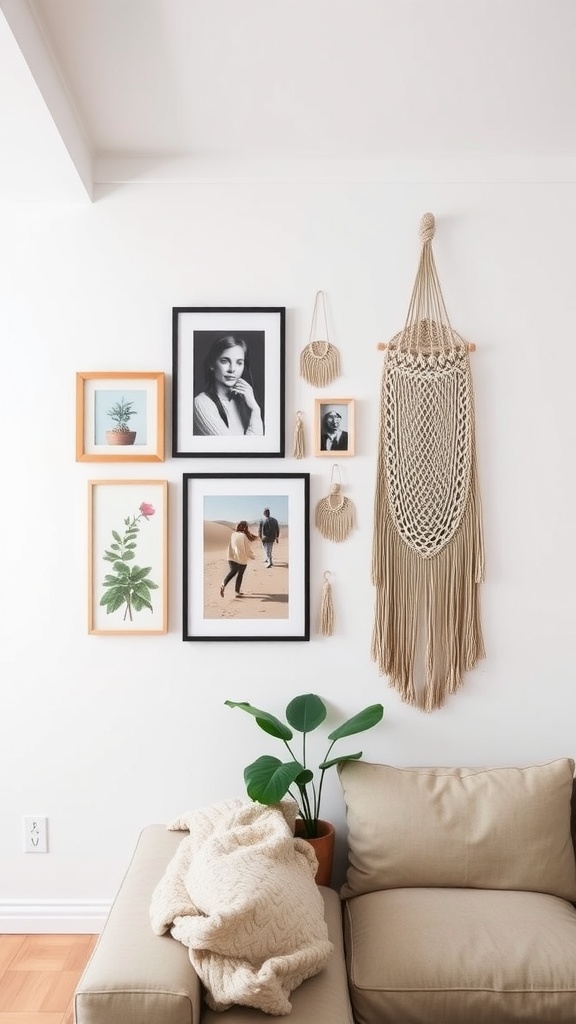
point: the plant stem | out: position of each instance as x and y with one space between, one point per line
322 770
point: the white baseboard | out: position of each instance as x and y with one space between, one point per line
53 917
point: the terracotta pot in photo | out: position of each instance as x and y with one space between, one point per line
120 436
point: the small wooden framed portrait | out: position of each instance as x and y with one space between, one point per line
334 426
127 557
119 417
228 382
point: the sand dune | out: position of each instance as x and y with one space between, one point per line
265 590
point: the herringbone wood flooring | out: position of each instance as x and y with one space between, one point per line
38 975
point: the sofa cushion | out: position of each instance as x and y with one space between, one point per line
455 955
489 828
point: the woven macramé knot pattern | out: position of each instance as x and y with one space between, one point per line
428 447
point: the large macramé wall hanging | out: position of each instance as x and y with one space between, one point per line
428 551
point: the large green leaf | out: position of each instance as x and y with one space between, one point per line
365 719
111 596
338 760
137 573
268 780
114 605
306 712
269 723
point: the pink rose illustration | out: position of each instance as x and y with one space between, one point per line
129 584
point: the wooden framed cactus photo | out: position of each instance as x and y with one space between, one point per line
119 417
127 557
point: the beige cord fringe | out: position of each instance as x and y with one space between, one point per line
428 550
335 515
299 437
320 360
327 607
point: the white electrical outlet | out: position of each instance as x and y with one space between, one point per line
35 834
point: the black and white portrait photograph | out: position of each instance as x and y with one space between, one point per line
228 382
334 426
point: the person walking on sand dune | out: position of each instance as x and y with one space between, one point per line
239 554
269 533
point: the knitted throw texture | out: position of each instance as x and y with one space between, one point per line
428 553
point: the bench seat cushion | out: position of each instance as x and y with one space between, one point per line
453 955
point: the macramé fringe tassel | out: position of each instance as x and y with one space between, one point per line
439 596
299 437
320 363
335 515
326 608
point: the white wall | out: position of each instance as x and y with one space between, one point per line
106 734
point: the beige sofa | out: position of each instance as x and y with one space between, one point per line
458 907
458 897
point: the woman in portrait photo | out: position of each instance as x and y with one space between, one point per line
227 404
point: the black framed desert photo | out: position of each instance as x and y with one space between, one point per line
228 381
246 556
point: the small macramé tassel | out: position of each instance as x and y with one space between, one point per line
299 437
335 514
327 607
320 360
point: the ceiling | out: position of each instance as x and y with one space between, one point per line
119 90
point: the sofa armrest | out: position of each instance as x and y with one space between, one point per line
135 976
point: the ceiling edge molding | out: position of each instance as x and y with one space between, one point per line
35 48
174 170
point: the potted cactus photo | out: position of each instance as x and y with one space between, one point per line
120 413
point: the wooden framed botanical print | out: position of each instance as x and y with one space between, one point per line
119 417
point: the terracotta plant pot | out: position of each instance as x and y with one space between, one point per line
120 436
323 847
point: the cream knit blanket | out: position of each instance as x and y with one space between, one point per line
240 893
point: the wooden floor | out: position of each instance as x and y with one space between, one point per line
38 975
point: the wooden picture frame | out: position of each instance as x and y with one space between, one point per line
228 379
119 417
338 415
274 603
127 557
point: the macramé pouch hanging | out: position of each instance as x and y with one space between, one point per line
320 360
428 550
335 514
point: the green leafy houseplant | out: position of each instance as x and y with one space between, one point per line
268 779
120 413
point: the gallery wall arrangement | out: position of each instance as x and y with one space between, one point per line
228 400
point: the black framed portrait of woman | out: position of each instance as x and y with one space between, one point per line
228 381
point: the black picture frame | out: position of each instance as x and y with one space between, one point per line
275 604
249 421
